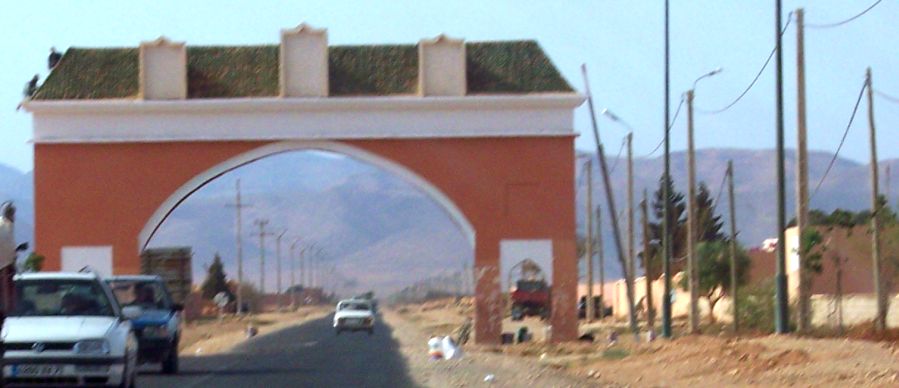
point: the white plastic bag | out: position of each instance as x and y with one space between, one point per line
435 348
450 349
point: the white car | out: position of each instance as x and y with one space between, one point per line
354 315
68 329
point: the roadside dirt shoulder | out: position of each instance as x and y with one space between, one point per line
215 336
475 365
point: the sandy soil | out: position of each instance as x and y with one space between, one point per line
689 361
412 334
213 336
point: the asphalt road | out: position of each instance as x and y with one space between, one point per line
310 355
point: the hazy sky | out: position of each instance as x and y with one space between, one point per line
620 41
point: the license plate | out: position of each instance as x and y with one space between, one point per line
354 321
37 370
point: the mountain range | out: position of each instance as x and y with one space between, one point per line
378 232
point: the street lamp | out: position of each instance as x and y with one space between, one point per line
692 267
631 268
278 267
293 270
606 112
706 75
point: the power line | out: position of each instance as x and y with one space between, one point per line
721 188
887 96
618 157
754 80
837 24
843 140
674 120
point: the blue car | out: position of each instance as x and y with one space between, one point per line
158 328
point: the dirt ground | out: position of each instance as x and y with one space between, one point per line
212 336
710 360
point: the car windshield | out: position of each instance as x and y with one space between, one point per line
148 294
354 306
60 297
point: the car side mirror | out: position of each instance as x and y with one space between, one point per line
132 312
22 247
177 307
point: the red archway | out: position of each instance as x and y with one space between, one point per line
490 140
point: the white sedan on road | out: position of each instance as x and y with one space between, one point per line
354 315
68 329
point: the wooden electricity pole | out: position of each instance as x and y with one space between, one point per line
647 266
238 234
601 252
261 223
733 245
278 267
610 201
588 255
801 176
630 209
880 319
692 268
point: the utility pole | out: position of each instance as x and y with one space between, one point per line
781 312
801 175
647 266
262 223
303 281
238 205
692 268
588 255
278 266
630 209
610 200
880 321
600 247
293 270
666 214
733 245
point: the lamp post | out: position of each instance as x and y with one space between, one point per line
293 271
631 274
692 267
278 267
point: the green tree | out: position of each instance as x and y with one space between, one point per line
677 219
215 281
34 262
713 258
812 253
708 225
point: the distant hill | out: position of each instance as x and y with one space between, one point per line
380 233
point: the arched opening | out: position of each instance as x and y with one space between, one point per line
381 226
204 178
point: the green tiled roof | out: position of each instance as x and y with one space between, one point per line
516 67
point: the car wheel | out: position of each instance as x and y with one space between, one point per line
371 331
129 375
338 331
170 363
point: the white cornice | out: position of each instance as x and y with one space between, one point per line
399 117
279 104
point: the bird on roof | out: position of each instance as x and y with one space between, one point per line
31 86
54 58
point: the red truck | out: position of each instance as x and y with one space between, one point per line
530 294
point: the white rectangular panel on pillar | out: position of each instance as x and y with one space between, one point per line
441 67
513 252
303 63
163 70
98 258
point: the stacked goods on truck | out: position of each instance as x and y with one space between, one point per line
173 265
530 294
